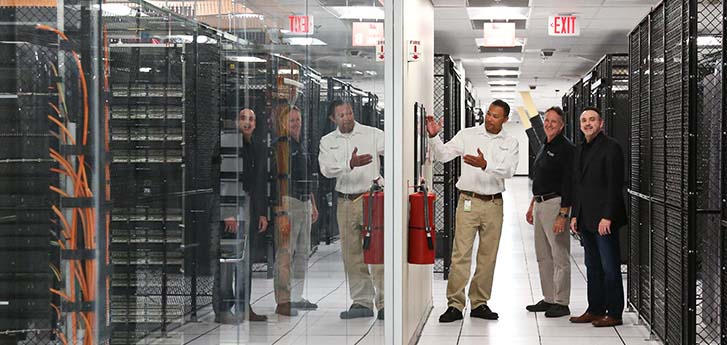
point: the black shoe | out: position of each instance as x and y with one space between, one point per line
380 315
304 304
484 312
540 306
452 314
557 310
356 311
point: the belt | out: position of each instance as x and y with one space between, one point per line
545 197
482 196
350 197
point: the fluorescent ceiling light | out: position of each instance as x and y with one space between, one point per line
249 16
358 12
304 41
348 65
371 73
501 72
502 83
358 73
518 41
190 39
245 59
144 69
502 89
501 60
709 41
498 13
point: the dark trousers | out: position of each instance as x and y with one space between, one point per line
603 266
233 280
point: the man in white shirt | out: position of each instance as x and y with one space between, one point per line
490 155
350 154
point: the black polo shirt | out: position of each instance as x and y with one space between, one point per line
553 169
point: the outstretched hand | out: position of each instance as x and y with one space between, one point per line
359 160
433 127
477 161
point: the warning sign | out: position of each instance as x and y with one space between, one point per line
380 50
415 50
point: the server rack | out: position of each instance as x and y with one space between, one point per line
676 274
51 129
447 92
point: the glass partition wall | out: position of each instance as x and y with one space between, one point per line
191 172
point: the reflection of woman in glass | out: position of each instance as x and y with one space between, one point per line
295 211
243 212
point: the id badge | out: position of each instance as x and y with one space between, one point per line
468 205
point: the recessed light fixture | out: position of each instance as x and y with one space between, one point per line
501 72
518 41
303 41
498 13
502 89
358 12
501 60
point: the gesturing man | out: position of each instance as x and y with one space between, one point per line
490 155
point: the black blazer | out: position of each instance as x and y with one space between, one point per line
598 188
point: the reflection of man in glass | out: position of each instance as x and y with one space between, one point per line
295 211
242 160
350 155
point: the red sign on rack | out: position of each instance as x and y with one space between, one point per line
301 24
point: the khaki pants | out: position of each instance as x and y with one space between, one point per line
294 251
553 253
485 220
361 282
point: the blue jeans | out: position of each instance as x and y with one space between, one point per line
603 266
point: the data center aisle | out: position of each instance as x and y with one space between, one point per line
517 284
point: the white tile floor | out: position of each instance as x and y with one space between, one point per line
516 285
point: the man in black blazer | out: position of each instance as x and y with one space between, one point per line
598 212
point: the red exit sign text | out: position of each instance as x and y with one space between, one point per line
563 26
301 24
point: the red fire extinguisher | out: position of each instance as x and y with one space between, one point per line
421 227
373 226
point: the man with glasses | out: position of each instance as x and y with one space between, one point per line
490 155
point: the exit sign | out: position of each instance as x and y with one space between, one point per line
301 24
563 26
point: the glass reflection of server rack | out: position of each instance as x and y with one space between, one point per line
447 93
470 103
164 96
311 105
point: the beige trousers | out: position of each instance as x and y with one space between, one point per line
553 253
485 220
289 282
361 281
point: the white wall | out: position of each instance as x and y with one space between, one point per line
418 84
516 129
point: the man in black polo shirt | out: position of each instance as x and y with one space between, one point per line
549 208
295 211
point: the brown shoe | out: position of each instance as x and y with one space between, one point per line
585 318
607 321
285 309
255 317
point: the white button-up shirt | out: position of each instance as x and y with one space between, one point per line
500 151
335 156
